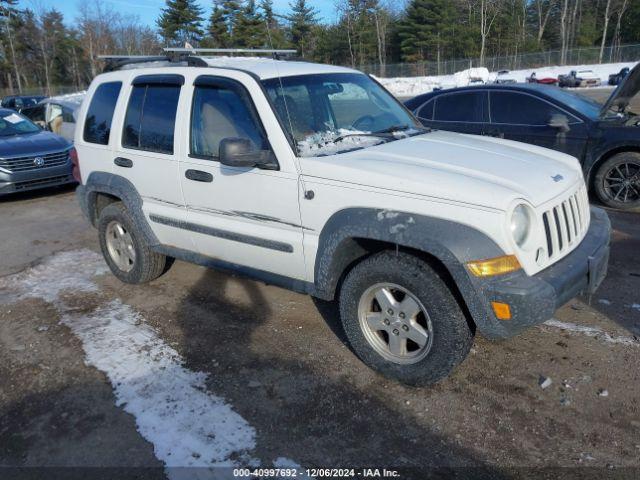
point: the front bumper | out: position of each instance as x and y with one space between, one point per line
534 299
36 178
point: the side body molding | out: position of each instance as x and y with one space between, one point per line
452 244
111 184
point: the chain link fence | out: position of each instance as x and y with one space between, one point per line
55 90
576 56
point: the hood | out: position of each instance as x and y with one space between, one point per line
622 95
483 171
31 144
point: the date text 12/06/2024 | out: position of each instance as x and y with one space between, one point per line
316 473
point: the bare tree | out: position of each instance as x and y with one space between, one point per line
616 36
543 16
7 21
607 14
489 10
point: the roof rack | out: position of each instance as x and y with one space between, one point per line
232 51
116 62
188 55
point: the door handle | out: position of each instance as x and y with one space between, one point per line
123 162
199 176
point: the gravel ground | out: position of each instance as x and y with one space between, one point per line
278 361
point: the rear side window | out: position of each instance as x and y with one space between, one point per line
97 126
520 109
151 118
459 107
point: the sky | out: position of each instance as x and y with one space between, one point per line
149 10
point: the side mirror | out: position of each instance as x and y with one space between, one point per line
240 152
559 121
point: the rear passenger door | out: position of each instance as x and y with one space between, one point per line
146 153
243 216
463 112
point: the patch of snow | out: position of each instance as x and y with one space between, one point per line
604 301
593 332
173 410
188 426
636 306
412 86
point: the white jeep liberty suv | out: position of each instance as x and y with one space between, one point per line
314 178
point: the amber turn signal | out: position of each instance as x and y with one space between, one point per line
494 266
502 310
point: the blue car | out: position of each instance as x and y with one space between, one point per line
30 157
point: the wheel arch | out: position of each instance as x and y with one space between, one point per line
353 234
596 164
102 189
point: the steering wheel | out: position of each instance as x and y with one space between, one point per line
364 123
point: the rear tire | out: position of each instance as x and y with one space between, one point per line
125 249
617 181
387 334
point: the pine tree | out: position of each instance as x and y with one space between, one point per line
423 33
276 35
302 22
217 29
180 22
250 29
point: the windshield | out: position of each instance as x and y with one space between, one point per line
326 114
588 107
16 124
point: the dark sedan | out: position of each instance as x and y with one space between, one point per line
18 102
30 157
604 138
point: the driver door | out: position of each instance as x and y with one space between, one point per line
243 216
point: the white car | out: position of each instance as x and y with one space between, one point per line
314 178
588 78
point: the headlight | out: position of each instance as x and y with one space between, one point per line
520 224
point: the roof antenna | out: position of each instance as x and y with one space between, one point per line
284 97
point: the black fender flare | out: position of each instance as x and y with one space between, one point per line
453 244
118 186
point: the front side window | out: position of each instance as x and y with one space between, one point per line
326 114
151 118
97 126
222 110
459 107
521 109
426 111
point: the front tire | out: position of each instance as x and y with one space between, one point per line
402 319
617 181
125 249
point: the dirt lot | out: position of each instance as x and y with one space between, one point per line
94 373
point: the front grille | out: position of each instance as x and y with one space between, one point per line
22 164
566 224
42 182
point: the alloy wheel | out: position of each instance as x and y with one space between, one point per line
395 323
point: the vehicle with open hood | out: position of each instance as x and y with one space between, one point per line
604 137
315 178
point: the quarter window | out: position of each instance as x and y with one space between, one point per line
459 107
222 109
521 109
151 118
426 111
97 125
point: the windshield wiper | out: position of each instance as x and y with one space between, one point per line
385 136
403 128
